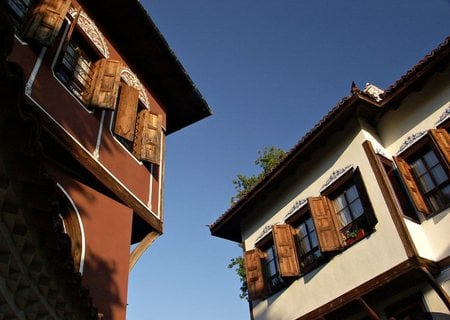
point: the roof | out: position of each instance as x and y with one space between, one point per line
362 103
130 29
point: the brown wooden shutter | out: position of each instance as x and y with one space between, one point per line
327 234
254 274
442 139
46 20
286 250
414 191
106 85
147 138
126 112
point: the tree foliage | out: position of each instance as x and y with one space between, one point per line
267 160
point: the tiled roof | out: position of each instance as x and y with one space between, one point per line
416 72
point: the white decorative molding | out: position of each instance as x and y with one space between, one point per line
267 229
410 140
132 80
381 152
297 205
92 32
336 175
373 91
443 116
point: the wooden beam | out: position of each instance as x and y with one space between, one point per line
141 248
370 312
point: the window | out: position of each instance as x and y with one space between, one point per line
92 79
432 180
352 211
272 263
137 128
308 245
424 168
271 269
76 67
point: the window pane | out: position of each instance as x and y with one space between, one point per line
313 238
418 167
439 174
345 217
352 193
302 230
309 224
339 202
304 245
357 208
426 182
430 159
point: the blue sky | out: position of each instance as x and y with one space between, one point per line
269 70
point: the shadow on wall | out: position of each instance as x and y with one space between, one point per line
99 273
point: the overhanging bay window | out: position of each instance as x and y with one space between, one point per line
424 168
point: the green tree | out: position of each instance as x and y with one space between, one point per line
267 160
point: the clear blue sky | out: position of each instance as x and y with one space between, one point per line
269 70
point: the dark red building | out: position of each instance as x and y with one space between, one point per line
90 90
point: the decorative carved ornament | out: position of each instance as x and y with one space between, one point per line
336 175
267 229
410 140
297 205
443 116
93 33
130 79
373 91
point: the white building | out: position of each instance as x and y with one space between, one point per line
354 222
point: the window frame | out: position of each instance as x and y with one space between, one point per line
300 217
86 49
264 245
361 226
426 143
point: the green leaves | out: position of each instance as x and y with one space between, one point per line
267 160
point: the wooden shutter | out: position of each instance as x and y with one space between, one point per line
126 112
286 250
147 138
46 21
254 274
442 139
106 85
414 191
327 234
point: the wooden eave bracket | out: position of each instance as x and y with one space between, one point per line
141 248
